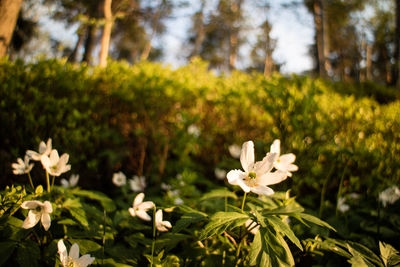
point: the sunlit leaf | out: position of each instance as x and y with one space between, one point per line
220 221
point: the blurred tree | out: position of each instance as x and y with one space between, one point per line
222 35
9 10
105 39
261 53
197 31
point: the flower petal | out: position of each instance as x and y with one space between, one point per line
132 212
85 260
31 204
166 224
234 175
45 161
288 158
159 216
272 178
64 183
62 250
266 164
275 147
262 190
243 185
146 205
54 158
31 220
143 215
247 155
47 207
46 221
74 252
138 199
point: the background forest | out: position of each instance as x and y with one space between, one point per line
131 123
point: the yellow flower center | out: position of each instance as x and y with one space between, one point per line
251 180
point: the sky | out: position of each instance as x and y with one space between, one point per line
292 28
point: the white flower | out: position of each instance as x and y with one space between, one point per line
220 173
234 150
139 207
22 166
37 211
54 164
194 130
283 162
252 226
257 175
138 183
389 195
165 186
119 179
341 205
73 181
73 258
160 224
178 201
44 149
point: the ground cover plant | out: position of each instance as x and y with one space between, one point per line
180 134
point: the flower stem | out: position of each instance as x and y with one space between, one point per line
52 181
154 236
244 200
48 181
30 181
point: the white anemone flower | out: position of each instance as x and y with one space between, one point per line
257 175
220 173
139 207
37 211
54 164
44 149
73 258
138 183
194 130
283 162
341 205
234 150
22 166
252 226
389 195
119 179
72 182
160 224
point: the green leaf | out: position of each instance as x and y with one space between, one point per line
314 220
365 252
284 210
169 240
76 210
28 253
357 260
188 219
220 221
389 254
110 263
282 227
6 249
107 203
86 246
219 193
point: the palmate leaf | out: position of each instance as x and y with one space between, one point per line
220 221
188 219
312 219
389 254
282 227
269 250
357 260
284 210
107 203
76 210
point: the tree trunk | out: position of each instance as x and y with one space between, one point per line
9 10
105 39
327 63
146 51
90 43
200 31
396 75
319 34
234 36
74 54
268 56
